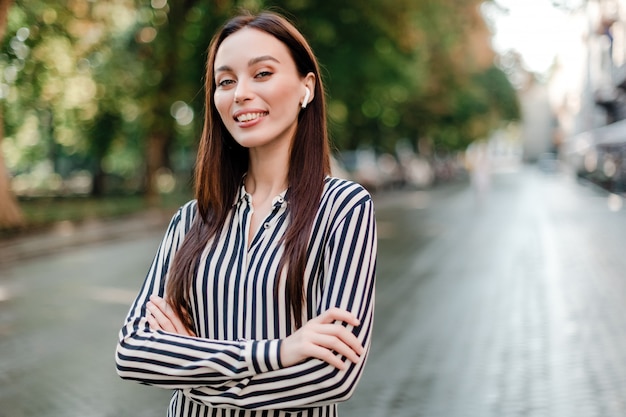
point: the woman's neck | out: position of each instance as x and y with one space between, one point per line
267 174
266 178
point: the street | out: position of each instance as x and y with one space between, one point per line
503 305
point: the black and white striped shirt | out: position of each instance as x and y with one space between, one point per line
233 367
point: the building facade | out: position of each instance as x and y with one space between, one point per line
589 95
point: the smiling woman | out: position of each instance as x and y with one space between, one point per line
260 299
264 92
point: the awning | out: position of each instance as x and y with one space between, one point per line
613 134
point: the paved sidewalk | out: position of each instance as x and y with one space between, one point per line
66 235
513 306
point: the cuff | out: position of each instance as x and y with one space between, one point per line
264 355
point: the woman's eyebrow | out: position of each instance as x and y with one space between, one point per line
261 59
226 68
223 68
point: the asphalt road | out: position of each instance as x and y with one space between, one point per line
508 305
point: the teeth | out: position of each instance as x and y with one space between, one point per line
249 116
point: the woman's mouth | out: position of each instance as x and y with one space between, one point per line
248 117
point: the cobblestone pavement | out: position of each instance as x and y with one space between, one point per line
513 307
509 306
58 329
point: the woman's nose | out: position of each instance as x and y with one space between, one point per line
242 92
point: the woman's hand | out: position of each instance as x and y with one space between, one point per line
161 316
323 338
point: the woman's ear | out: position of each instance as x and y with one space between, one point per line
309 89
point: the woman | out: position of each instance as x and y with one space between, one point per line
260 299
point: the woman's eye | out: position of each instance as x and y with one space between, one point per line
263 74
225 83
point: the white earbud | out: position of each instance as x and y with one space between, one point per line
306 97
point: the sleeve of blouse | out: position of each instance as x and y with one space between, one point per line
349 270
174 361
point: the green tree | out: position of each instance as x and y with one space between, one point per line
403 69
56 88
10 214
170 44
115 86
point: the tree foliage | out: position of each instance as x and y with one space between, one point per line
10 213
114 87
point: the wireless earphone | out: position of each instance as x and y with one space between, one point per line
306 97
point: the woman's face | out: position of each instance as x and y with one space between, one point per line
258 89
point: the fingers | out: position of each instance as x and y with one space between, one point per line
336 345
159 302
158 312
327 356
342 341
337 314
347 339
324 338
161 316
337 340
154 324
332 347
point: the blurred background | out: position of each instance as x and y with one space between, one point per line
105 99
491 134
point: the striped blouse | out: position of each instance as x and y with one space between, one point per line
233 367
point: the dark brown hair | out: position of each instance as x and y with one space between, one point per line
222 162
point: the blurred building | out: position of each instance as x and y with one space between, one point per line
588 93
538 131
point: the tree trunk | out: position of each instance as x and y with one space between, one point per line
161 136
156 157
10 213
98 179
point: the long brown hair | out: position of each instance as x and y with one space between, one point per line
222 162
